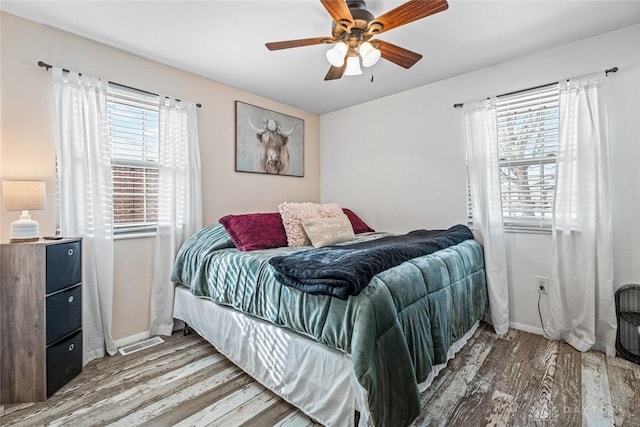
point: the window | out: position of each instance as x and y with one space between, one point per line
527 132
133 128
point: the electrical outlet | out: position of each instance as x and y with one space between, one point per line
542 284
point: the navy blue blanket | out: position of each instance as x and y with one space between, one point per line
341 271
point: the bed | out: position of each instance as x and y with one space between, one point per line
362 360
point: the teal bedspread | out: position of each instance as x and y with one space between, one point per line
395 330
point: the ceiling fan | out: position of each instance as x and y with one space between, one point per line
353 31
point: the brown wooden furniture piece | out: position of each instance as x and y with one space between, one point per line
40 318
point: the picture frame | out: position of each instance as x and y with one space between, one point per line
268 142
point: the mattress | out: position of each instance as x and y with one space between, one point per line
402 324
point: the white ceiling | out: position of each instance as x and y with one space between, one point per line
224 40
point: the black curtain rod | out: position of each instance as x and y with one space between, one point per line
48 66
606 73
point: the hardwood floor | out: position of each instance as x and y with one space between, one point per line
519 379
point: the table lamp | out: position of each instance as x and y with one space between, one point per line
24 196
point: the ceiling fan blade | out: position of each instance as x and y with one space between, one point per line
340 13
297 43
335 73
396 54
409 12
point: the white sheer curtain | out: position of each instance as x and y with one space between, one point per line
581 299
179 202
84 179
484 181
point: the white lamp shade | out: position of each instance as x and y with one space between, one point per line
353 67
369 54
336 54
24 195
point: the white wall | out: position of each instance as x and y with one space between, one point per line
399 161
27 145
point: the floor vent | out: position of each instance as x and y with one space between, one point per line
128 349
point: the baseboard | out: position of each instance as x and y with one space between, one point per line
527 328
132 339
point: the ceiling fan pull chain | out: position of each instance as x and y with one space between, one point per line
371 76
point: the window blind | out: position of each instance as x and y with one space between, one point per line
133 127
528 132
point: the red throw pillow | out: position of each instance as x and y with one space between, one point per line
359 226
255 231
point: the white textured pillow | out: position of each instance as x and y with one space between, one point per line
328 231
293 214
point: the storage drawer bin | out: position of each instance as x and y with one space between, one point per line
64 266
64 313
64 361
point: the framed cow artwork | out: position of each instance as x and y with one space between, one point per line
268 142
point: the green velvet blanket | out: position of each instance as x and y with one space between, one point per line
395 330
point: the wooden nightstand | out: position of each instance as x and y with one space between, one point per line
40 318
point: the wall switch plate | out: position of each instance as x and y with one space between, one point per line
542 284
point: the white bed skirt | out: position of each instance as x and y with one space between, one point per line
315 378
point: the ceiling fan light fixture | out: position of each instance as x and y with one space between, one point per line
336 54
353 25
369 54
353 66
